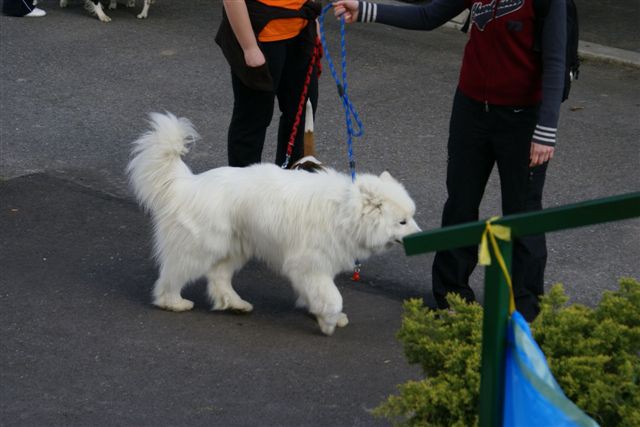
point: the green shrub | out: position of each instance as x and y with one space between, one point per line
594 355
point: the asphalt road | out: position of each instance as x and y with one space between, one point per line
81 344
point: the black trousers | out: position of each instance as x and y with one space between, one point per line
17 7
479 137
288 63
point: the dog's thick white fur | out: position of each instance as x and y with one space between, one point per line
95 8
305 226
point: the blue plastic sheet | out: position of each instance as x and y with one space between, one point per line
532 396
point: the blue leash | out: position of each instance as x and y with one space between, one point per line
349 110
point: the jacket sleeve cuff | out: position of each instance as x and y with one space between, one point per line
367 12
545 135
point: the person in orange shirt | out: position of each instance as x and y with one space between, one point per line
269 45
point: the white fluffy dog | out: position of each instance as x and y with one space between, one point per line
305 226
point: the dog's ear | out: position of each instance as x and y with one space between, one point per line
371 200
386 176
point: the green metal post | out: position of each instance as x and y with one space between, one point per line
496 306
494 333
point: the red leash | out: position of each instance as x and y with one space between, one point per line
317 51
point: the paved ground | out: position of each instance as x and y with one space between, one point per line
81 344
610 23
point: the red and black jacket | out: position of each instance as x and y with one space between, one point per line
500 65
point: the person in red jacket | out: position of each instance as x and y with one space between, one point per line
505 112
269 44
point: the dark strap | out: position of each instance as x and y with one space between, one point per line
467 22
260 13
540 10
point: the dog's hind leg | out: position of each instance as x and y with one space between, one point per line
166 291
220 289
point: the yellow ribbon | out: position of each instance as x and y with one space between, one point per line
484 256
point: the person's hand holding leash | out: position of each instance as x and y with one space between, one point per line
540 154
348 9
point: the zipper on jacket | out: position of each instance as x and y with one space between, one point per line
486 80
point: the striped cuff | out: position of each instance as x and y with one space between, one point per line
367 12
545 135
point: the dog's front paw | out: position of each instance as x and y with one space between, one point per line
343 320
113 4
327 328
328 322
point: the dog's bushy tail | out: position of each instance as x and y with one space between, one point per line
156 160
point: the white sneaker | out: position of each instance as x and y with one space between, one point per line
36 13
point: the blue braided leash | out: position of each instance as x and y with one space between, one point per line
349 110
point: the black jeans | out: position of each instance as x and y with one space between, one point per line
253 109
17 7
479 137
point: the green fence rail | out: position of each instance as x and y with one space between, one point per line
496 296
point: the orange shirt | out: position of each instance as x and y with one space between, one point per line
282 29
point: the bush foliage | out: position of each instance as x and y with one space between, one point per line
594 355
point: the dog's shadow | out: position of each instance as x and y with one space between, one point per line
271 295
255 283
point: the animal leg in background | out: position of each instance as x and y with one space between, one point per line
145 9
94 8
113 4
